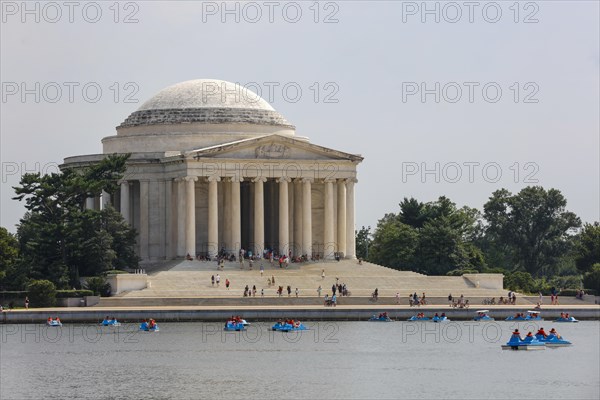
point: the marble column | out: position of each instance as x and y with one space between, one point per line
227 214
341 216
89 203
144 215
125 210
236 215
328 235
169 222
180 182
297 248
307 217
213 216
190 215
259 215
284 216
350 238
105 202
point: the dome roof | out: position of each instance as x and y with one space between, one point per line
210 101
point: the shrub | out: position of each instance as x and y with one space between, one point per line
115 272
98 285
520 281
42 293
591 279
63 294
568 292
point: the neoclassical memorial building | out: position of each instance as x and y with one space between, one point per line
214 167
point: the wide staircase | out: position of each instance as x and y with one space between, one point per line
188 283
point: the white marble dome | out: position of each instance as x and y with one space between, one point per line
206 101
206 93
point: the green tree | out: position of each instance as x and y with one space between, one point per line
42 293
587 247
363 242
591 279
393 244
9 252
58 238
98 285
533 224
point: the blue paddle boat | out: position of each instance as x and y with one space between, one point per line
531 316
419 317
383 317
234 326
552 340
288 326
440 318
530 342
110 322
149 326
566 319
53 322
482 315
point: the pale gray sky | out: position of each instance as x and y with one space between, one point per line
374 58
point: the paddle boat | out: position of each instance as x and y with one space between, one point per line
440 318
553 339
383 317
235 324
531 316
110 322
289 325
482 315
53 322
419 317
149 326
530 342
565 318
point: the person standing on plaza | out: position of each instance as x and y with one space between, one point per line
212 280
319 290
218 279
262 270
323 274
26 303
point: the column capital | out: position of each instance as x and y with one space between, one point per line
213 178
259 179
179 179
308 180
283 179
329 180
351 181
123 182
190 178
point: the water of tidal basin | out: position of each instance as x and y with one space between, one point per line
334 360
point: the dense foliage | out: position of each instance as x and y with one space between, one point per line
58 239
530 237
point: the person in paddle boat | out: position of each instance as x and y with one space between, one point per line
553 332
516 336
144 324
49 320
529 337
443 315
541 332
152 324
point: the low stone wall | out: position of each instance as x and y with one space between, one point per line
486 281
95 315
120 283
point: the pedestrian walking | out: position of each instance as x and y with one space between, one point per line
323 274
212 280
319 290
227 283
262 270
218 279
297 292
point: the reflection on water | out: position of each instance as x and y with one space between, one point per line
332 360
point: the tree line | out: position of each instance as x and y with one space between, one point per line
529 236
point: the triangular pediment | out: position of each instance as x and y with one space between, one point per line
272 147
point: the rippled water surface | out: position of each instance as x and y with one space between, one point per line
334 360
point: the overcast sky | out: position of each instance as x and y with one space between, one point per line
490 95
